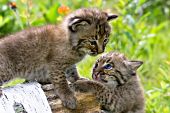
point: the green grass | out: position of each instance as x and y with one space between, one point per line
141 32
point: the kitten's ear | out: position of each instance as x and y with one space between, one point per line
75 23
111 17
135 64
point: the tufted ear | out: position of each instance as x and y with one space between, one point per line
111 17
77 23
135 64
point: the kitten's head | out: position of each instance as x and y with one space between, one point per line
115 67
89 30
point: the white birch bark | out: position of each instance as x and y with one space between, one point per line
24 98
30 98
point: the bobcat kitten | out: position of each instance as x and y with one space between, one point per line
116 86
43 53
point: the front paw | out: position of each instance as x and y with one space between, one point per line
78 86
69 100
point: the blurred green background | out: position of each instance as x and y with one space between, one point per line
141 32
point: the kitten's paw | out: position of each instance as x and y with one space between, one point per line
79 86
72 86
72 79
69 101
72 74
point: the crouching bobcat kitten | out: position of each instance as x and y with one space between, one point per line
116 84
44 53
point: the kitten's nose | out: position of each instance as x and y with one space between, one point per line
100 50
95 76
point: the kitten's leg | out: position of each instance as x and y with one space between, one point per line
87 86
102 92
45 82
72 74
58 79
6 72
41 76
139 106
137 111
42 82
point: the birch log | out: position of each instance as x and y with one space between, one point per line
24 98
30 98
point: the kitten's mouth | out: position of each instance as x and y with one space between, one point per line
100 78
88 51
93 53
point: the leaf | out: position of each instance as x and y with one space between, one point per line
163 85
13 82
129 36
52 14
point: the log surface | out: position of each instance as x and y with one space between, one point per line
30 98
24 98
86 102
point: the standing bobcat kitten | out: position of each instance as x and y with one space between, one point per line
116 85
43 53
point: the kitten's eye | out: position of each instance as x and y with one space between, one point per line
93 42
82 41
105 40
108 66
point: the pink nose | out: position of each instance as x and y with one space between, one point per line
96 76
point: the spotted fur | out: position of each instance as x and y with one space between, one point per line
116 84
44 53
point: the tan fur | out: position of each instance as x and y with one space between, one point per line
114 95
43 53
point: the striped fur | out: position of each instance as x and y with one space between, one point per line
116 84
44 53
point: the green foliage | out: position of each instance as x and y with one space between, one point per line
13 82
141 32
